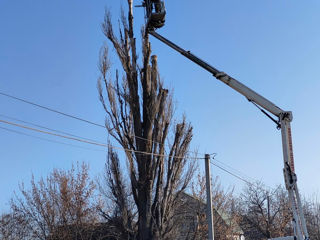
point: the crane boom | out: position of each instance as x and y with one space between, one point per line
231 82
284 120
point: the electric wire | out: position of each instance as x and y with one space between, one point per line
231 169
109 145
94 143
98 150
253 182
72 145
49 140
51 109
47 128
64 114
234 170
53 134
54 130
227 171
91 141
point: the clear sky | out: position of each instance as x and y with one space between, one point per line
49 55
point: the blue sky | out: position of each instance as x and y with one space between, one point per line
49 55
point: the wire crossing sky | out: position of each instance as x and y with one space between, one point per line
49 55
69 136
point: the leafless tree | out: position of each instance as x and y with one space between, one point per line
312 214
119 208
9 229
225 218
139 117
265 213
54 206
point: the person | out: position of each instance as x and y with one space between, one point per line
157 18
157 5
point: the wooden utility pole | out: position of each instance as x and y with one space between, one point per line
209 198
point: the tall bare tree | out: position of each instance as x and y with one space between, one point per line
139 116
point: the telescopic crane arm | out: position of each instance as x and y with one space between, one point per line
283 121
156 20
231 82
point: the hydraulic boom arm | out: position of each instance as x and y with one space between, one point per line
233 83
283 122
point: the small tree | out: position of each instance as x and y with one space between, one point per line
139 116
12 227
52 205
265 213
225 218
312 214
119 209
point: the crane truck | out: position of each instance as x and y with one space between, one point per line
155 15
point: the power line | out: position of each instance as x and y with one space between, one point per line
240 178
234 170
53 134
105 145
227 171
64 114
49 140
88 140
54 130
140 152
51 110
47 128
94 143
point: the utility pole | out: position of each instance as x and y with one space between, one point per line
209 198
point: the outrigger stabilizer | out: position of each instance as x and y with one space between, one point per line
155 19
